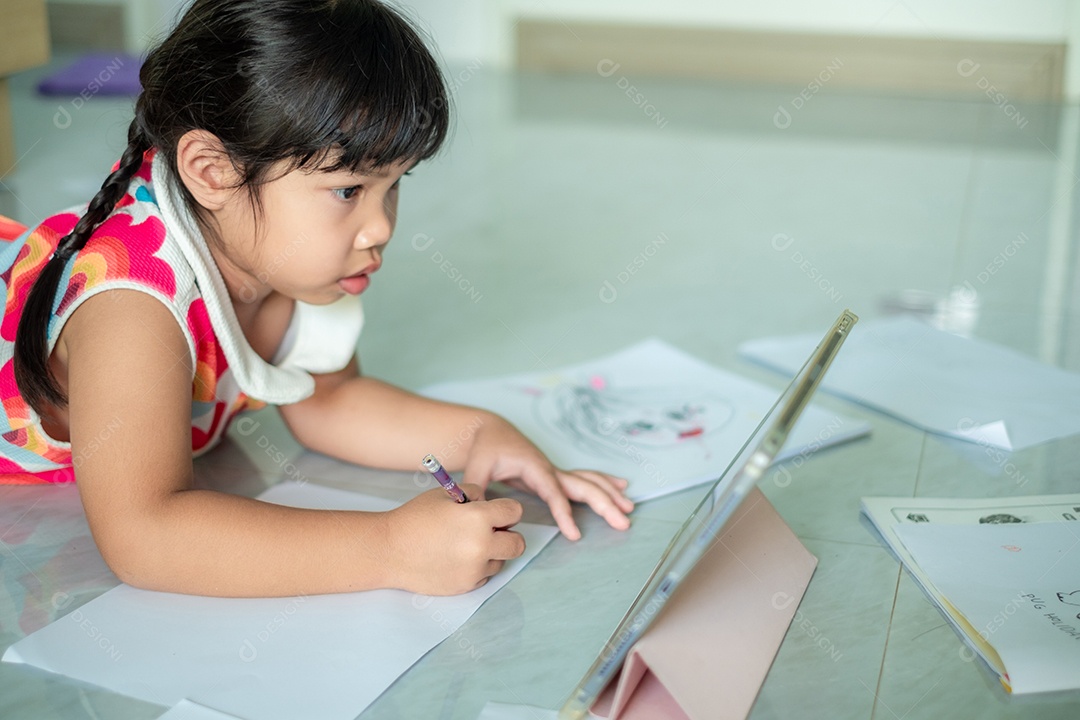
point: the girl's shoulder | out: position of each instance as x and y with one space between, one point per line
131 247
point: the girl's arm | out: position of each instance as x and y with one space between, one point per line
129 387
368 422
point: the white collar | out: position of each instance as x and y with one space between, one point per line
256 377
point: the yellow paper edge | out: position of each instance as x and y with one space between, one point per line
985 648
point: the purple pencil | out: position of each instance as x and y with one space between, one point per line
444 478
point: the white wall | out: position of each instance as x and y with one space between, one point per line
466 30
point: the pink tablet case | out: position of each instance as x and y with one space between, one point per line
707 654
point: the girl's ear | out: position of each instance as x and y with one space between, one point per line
206 169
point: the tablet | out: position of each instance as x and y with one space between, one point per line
701 530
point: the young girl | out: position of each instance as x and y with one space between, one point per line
218 270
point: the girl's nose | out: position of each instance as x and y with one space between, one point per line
376 231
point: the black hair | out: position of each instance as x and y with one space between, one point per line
320 84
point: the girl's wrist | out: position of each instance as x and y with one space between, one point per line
383 561
490 423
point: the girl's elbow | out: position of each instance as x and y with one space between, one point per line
127 564
132 559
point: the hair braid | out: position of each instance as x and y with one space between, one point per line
36 382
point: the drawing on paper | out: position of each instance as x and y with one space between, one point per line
1072 600
999 519
597 415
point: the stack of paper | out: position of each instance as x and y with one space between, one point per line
1005 573
652 414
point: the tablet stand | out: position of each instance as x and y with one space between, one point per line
707 654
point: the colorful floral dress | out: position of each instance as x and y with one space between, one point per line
151 243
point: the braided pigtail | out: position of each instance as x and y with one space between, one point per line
37 385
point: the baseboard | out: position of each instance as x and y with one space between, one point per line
995 71
86 26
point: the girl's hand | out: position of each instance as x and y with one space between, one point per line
441 547
500 452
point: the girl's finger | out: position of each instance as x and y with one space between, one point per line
602 503
547 487
607 483
472 490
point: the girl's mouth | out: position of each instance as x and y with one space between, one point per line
358 283
355 284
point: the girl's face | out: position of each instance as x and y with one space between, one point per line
318 237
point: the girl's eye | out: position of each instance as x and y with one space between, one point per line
346 193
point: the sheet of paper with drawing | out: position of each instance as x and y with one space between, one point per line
321 656
650 413
951 550
959 387
1018 585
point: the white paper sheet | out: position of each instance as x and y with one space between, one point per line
1018 585
319 656
652 414
960 387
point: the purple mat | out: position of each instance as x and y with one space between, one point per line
95 74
